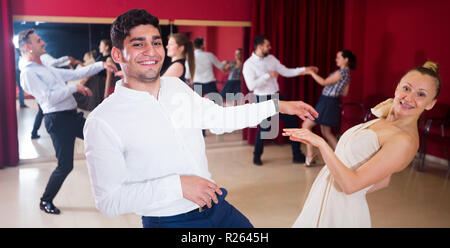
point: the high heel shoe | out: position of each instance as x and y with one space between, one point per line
310 162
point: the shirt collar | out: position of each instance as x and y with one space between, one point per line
24 63
254 56
135 94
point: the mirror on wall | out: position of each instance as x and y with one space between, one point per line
75 40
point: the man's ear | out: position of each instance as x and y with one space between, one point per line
28 47
116 55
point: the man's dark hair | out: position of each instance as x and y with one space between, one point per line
259 40
121 27
24 38
198 43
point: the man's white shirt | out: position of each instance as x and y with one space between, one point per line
137 146
204 62
48 84
256 74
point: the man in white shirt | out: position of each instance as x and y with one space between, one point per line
47 85
48 61
204 79
143 144
260 72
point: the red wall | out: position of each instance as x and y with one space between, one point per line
230 10
391 37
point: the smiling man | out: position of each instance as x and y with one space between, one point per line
63 123
139 158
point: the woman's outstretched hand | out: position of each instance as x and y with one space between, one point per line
303 135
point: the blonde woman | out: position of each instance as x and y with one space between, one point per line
180 49
367 154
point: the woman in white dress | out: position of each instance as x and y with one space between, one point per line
367 154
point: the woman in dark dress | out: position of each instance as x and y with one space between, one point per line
233 84
335 86
180 49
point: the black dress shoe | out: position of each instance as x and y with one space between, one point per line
257 161
35 136
299 160
48 207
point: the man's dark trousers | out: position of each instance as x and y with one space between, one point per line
63 128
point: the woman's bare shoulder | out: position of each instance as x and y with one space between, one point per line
389 133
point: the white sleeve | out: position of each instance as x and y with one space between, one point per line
216 61
33 85
87 71
107 169
287 72
199 112
187 74
60 62
252 80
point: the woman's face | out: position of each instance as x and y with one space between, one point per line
341 61
101 47
172 48
86 57
414 94
238 55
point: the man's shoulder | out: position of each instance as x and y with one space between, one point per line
271 57
29 67
108 111
174 84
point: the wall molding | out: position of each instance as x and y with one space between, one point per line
71 19
212 23
108 20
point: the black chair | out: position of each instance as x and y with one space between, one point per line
433 125
370 102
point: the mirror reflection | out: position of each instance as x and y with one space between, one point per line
73 46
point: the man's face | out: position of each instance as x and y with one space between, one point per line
265 48
36 45
143 54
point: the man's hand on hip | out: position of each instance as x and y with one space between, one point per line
199 190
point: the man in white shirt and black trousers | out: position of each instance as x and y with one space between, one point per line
63 123
203 78
144 146
260 72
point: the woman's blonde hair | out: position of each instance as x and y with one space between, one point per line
431 69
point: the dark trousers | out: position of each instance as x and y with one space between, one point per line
289 121
203 89
21 93
63 128
220 215
37 122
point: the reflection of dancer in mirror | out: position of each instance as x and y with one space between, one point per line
367 154
336 85
63 123
233 84
203 78
180 49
